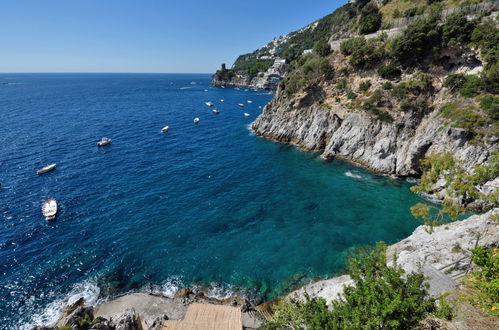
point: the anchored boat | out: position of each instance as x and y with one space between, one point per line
196 120
165 129
216 111
46 169
104 142
241 105
49 209
210 104
246 114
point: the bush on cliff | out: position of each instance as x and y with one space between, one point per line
370 18
389 71
382 297
363 53
418 41
457 30
322 48
307 70
485 280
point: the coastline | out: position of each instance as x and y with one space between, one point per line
433 254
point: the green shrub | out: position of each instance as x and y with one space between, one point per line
382 297
455 81
387 85
421 38
322 48
305 71
491 105
444 310
370 19
457 29
414 11
364 86
486 279
348 46
389 71
397 13
351 95
465 118
471 86
368 55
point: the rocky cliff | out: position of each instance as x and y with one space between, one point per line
386 147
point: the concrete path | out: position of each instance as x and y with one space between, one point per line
207 317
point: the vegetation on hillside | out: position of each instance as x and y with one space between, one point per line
461 187
485 280
382 297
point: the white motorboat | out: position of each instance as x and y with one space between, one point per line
222 100
259 107
46 169
165 129
246 114
196 120
249 101
216 111
241 105
210 104
104 142
49 209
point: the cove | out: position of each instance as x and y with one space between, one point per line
207 205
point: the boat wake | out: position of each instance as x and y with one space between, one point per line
352 175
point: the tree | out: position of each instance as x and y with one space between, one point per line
322 48
420 39
456 30
370 19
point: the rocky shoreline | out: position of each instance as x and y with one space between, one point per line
442 256
389 148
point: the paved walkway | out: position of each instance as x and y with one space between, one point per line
207 317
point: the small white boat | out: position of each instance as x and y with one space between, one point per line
196 120
222 86
259 107
46 169
165 129
241 105
49 209
205 90
210 104
216 111
104 142
249 101
246 114
222 100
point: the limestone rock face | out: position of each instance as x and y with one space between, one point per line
391 148
445 251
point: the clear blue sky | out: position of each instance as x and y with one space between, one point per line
143 35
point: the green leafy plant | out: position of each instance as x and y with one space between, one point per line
389 71
491 105
364 86
485 280
382 297
370 19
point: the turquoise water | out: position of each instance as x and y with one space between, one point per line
208 205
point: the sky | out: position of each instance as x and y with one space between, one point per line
156 36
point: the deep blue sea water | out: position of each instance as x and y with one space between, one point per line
209 206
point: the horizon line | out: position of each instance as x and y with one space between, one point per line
103 72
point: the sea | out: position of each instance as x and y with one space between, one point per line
208 206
